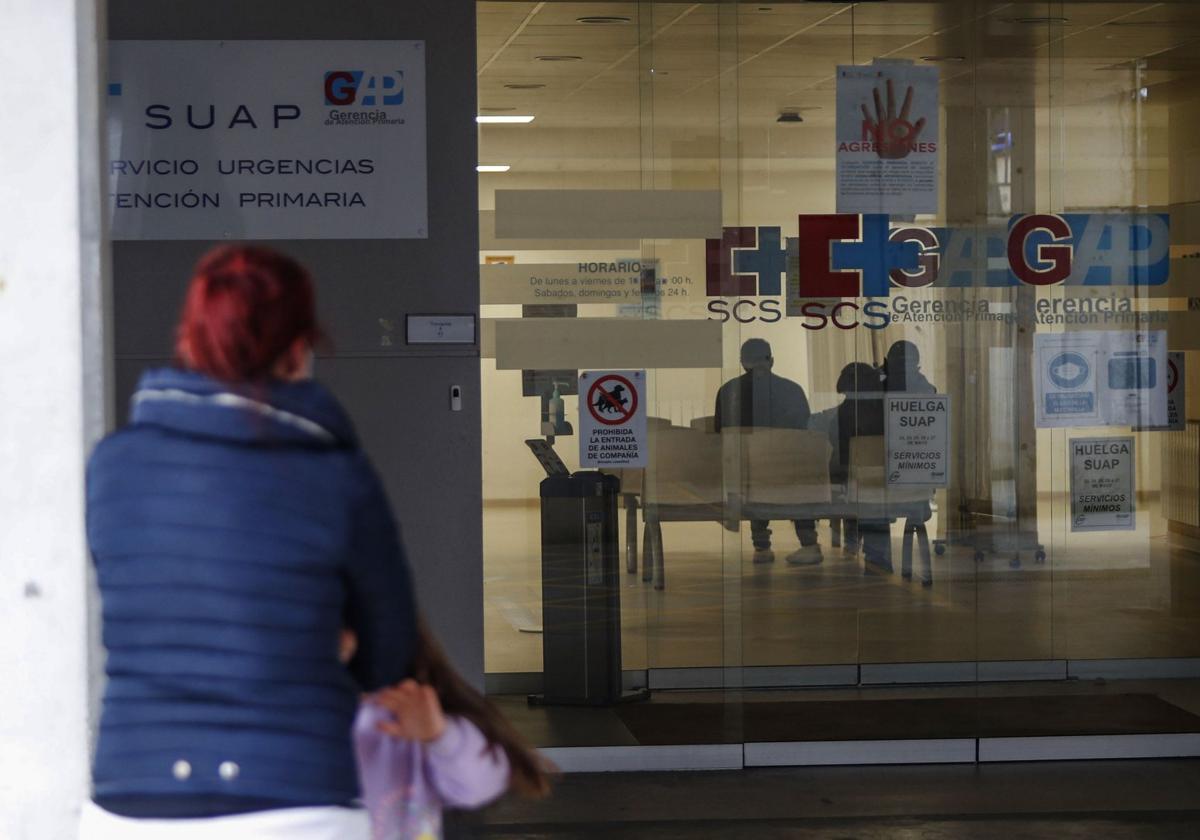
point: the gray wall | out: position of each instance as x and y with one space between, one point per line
398 396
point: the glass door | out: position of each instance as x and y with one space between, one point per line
904 284
609 159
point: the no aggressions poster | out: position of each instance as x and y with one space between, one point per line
887 139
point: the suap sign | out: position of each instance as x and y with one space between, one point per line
844 257
918 440
226 140
1102 485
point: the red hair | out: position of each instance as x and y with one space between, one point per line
246 308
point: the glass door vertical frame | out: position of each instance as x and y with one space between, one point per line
645 92
647 171
730 165
965 206
1052 199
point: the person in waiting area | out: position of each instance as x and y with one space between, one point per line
434 742
236 527
901 370
826 423
861 415
759 398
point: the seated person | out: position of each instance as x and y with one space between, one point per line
761 399
825 423
901 370
861 415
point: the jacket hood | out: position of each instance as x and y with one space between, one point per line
299 413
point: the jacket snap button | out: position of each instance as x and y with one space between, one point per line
228 770
181 770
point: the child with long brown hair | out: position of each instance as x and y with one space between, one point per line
434 742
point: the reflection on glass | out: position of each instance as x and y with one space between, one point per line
792 425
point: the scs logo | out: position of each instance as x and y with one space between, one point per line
840 256
354 87
745 263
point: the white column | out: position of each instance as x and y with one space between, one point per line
53 365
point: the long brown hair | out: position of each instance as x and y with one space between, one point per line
529 772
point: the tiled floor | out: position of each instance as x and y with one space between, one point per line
564 726
1098 596
1182 825
1121 800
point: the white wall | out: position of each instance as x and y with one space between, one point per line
52 405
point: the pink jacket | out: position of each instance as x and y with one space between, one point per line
406 784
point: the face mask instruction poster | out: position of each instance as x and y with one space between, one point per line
612 418
1101 378
1176 395
236 140
887 139
1102 489
918 441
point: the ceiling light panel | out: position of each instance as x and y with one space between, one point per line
602 20
1041 20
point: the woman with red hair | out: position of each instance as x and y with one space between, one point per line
237 528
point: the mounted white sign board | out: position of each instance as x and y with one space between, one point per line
245 140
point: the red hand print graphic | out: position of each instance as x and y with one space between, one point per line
893 134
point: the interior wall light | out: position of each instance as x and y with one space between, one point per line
1158 23
501 119
492 167
792 113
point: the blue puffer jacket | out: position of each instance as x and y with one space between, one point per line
235 531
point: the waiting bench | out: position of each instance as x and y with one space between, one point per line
740 474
